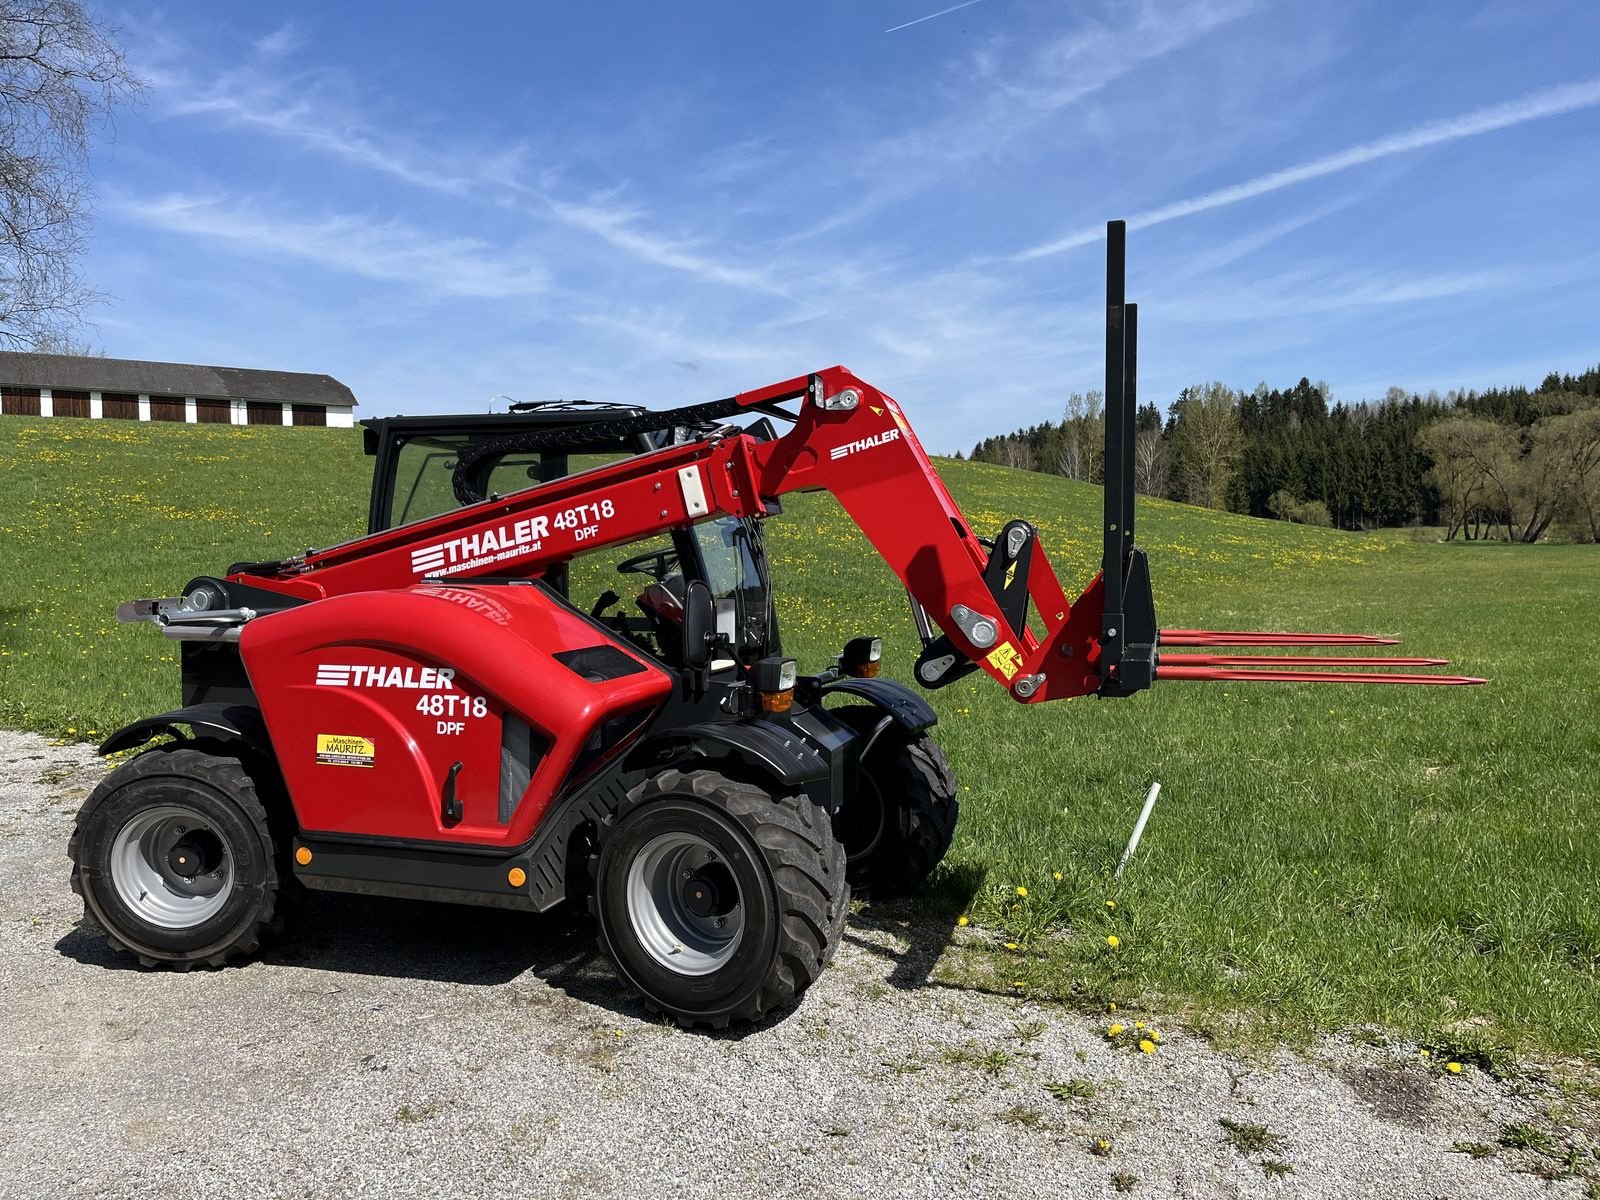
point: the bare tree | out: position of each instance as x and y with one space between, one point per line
1082 436
1538 486
1560 477
1152 464
1522 479
1207 443
62 75
1575 439
53 342
1456 471
1015 452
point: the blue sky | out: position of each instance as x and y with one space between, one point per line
665 203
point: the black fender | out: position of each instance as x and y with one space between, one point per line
910 711
764 745
223 722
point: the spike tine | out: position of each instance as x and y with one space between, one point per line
1217 637
1243 675
1334 639
1294 660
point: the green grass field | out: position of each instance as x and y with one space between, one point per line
1427 860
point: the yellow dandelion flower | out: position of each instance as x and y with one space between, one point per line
1138 1024
1022 891
1155 1036
963 921
1116 1029
1112 1007
1453 1067
1011 945
1111 903
1146 1046
1113 940
1058 876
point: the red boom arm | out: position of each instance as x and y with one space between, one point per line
849 439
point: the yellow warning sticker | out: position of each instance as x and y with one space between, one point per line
344 750
1005 659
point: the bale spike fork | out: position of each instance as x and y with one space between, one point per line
1132 647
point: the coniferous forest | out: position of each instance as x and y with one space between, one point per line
1513 464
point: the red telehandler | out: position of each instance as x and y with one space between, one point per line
566 685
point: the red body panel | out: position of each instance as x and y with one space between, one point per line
425 674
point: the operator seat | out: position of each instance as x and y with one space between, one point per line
662 603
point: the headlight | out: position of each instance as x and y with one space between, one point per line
774 680
862 657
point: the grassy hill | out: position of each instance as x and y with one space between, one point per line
1426 859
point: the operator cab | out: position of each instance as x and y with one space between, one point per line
413 476
636 590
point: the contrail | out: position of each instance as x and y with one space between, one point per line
1550 102
931 16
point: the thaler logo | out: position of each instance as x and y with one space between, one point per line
888 435
495 544
420 678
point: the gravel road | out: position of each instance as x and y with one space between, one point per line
398 1049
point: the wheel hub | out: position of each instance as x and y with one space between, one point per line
710 891
199 853
684 904
171 868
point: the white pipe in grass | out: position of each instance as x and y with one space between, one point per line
1138 827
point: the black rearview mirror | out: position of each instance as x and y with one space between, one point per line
699 624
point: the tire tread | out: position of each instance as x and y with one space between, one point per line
225 774
805 862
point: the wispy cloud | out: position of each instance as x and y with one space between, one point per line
298 112
943 12
1548 102
279 42
1000 98
668 334
293 112
618 228
1257 239
388 251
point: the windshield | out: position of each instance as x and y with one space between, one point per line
424 473
736 573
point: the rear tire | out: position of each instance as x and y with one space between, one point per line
897 824
174 859
718 900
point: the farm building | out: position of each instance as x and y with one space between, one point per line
69 385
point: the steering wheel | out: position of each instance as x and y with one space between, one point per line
657 564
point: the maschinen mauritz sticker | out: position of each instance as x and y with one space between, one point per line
344 750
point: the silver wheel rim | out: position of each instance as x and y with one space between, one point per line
171 867
684 904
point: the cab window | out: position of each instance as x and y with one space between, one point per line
636 590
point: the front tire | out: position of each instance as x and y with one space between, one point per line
174 859
718 900
897 823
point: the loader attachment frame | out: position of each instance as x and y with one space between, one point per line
1131 658
1128 632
